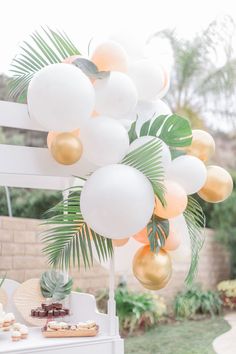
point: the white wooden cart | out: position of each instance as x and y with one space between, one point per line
30 167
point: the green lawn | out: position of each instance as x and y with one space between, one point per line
188 337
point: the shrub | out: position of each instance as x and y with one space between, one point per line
227 291
136 311
28 203
194 301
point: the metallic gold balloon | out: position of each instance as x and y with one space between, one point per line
66 148
218 186
203 145
151 269
52 135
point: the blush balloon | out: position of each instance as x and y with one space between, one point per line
110 56
176 201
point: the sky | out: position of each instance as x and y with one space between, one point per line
86 19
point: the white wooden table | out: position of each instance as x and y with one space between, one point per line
83 307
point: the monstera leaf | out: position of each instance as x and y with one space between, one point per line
174 130
158 231
53 286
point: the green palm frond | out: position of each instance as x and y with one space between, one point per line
68 239
195 220
44 48
3 279
147 159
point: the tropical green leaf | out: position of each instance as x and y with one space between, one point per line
176 153
68 239
174 130
90 69
158 231
3 279
132 132
195 220
53 285
48 47
147 159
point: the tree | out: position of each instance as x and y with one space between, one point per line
204 74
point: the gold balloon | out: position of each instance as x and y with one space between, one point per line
151 269
218 186
202 146
66 148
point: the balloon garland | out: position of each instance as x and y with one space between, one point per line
146 163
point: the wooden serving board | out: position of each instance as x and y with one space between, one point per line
71 333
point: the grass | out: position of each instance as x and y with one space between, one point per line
187 337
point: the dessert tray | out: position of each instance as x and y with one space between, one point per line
56 329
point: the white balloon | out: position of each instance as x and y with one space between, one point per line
165 153
117 201
189 172
83 168
160 49
123 257
60 97
126 123
148 78
133 44
115 95
105 140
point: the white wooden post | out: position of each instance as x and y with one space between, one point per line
111 301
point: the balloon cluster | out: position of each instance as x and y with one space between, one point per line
87 104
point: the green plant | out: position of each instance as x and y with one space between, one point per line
198 79
136 311
3 279
227 291
194 301
53 285
228 287
28 203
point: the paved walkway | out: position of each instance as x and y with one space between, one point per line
226 343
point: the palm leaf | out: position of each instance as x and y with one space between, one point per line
174 130
158 231
147 159
195 220
3 279
53 285
68 239
48 47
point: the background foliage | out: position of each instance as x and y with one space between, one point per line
194 301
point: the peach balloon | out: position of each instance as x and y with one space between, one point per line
52 135
110 56
176 201
120 243
69 60
173 241
95 114
142 236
